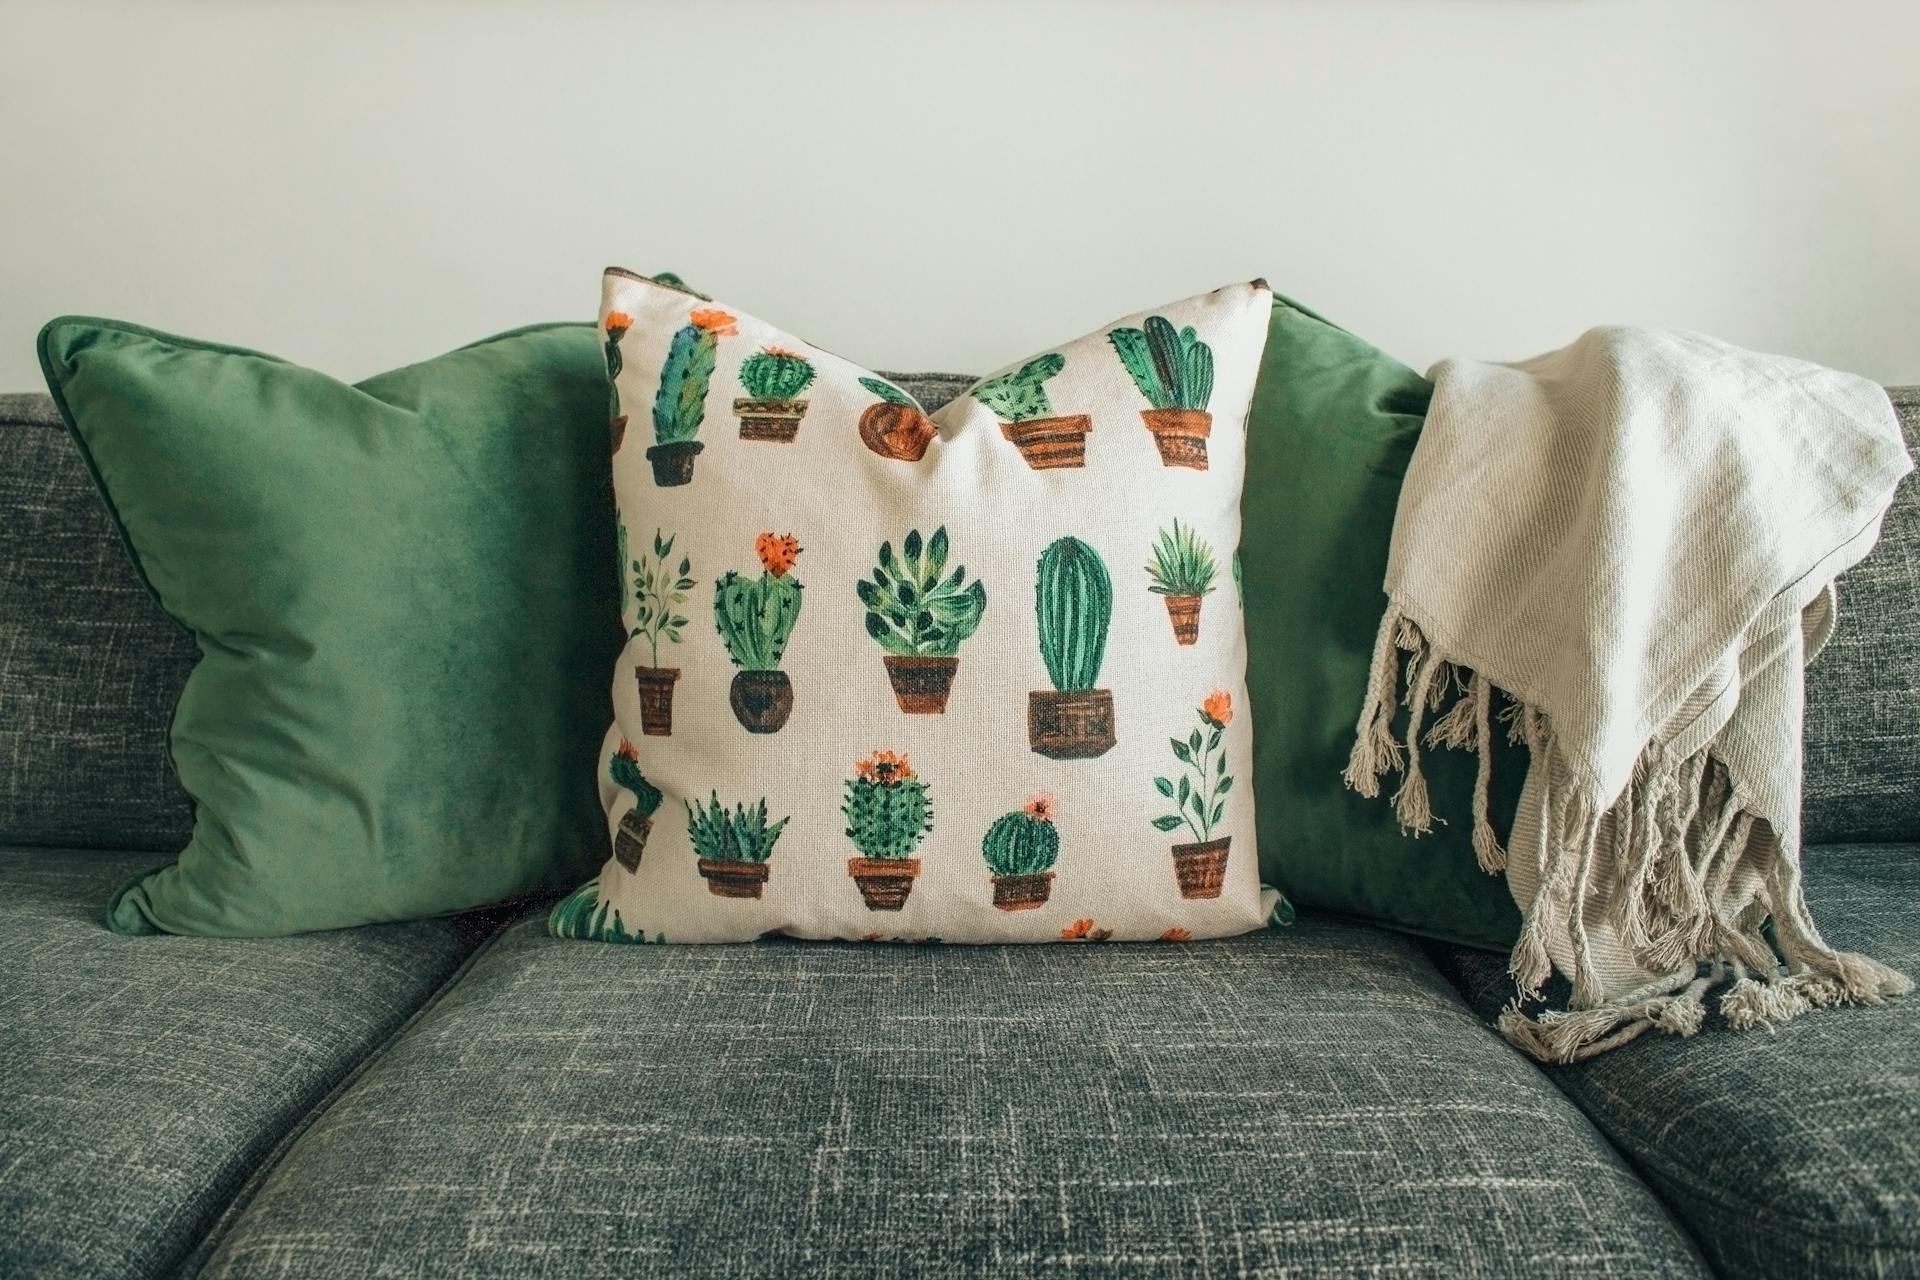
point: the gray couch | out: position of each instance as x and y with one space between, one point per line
466 1097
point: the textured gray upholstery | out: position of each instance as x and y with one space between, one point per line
1863 692
89 665
1794 1154
1314 1101
140 1078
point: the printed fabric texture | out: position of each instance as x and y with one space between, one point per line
974 676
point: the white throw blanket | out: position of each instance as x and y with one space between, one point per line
1625 550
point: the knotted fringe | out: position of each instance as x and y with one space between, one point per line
1679 834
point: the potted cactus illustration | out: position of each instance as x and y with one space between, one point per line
1174 371
1021 848
920 618
616 325
1019 398
659 593
630 841
584 914
680 404
895 426
732 847
887 816
1200 800
755 617
1182 571
773 378
1073 601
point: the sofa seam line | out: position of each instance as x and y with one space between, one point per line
243 1198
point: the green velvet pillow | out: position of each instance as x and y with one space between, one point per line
401 595
1333 425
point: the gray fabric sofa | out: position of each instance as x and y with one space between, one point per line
466 1097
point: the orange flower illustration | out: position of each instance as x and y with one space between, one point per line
1039 806
1077 930
885 768
618 322
777 552
1176 934
1218 708
783 352
719 323
627 750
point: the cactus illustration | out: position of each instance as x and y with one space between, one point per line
1020 849
1173 369
630 841
1073 603
615 325
1019 399
775 374
680 404
773 377
888 814
756 617
1021 396
585 915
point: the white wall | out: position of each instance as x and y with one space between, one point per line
356 185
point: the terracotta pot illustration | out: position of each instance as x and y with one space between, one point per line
774 420
1181 435
1184 611
895 430
761 699
734 879
656 699
631 839
617 428
673 463
1201 868
921 684
1070 725
1051 442
884 882
1022 893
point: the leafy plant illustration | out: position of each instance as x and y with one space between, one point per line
739 835
679 405
1199 798
585 915
886 807
1020 396
1182 564
658 593
911 609
775 374
756 616
1172 368
1024 842
1073 603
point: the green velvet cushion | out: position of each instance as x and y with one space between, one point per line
1333 425
401 596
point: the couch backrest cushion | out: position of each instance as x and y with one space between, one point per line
90 666
1863 691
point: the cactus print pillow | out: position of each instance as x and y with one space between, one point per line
973 676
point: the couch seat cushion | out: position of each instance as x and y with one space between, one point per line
1314 1100
1790 1154
142 1078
